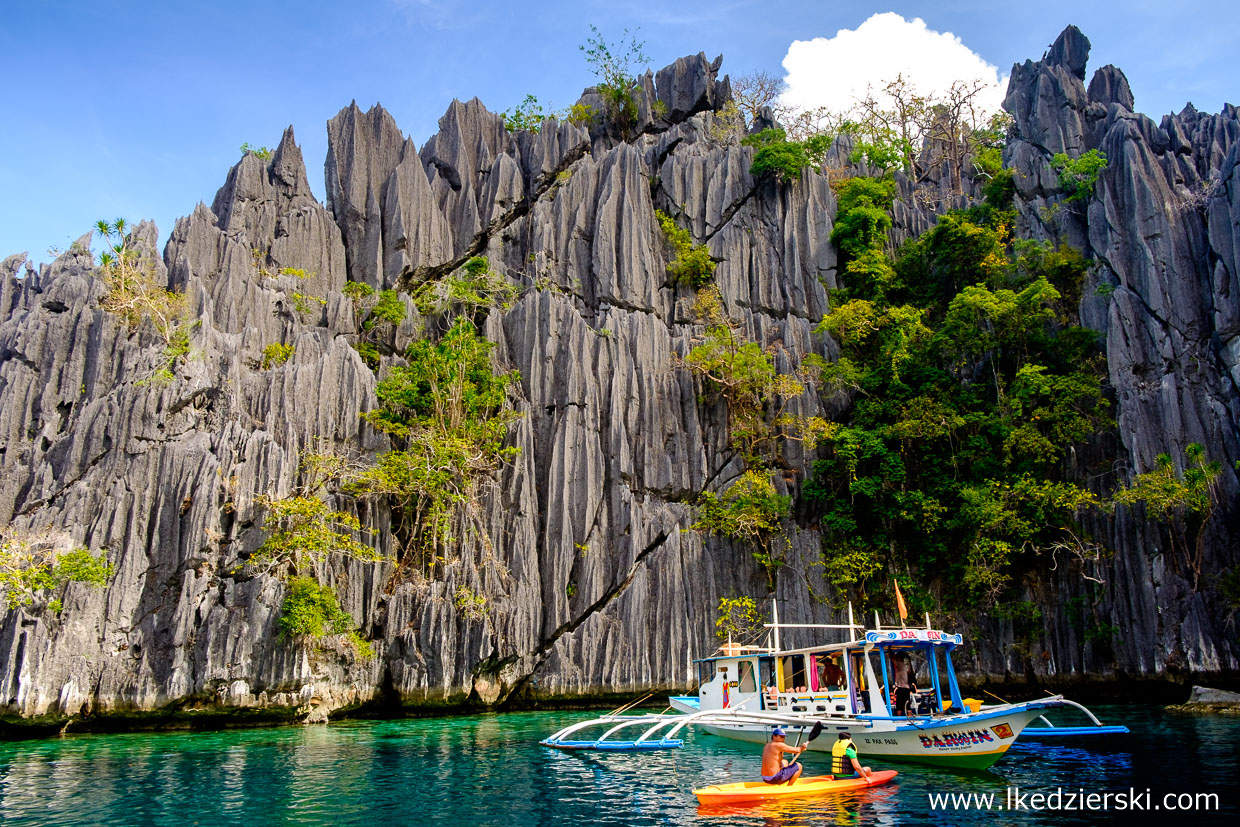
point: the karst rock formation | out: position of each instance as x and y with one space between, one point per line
591 583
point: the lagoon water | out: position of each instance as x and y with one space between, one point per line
490 770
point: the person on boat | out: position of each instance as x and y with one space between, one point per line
775 769
830 675
772 695
844 763
904 682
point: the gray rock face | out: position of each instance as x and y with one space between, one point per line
579 546
690 85
362 153
1161 227
1206 695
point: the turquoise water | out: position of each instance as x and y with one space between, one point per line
490 770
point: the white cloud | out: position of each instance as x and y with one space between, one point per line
835 71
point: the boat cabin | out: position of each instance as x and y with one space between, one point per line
853 679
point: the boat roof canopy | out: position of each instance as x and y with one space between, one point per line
885 638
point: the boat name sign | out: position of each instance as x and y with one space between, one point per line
957 740
926 635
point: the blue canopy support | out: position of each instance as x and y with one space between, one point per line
957 701
882 659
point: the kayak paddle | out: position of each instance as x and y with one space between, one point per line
814 732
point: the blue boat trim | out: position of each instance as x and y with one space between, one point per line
1063 731
688 700
923 723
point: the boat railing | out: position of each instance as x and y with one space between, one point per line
561 739
661 729
739 716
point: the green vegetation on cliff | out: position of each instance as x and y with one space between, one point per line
1078 176
616 65
135 295
749 510
305 531
33 565
782 159
692 265
276 354
742 374
311 612
377 314
738 618
445 411
971 384
1182 500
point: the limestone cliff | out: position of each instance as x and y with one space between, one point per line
579 545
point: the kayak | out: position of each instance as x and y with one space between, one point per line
761 791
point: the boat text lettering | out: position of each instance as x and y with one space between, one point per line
953 740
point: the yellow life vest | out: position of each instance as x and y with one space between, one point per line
840 761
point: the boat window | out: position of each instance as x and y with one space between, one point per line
794 673
829 672
747 682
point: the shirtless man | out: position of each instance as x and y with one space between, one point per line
904 682
830 675
775 770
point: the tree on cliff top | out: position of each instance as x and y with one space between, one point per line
616 66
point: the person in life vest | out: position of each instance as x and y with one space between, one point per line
844 763
775 770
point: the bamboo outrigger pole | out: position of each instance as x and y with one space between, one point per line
627 707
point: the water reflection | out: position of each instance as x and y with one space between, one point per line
489 770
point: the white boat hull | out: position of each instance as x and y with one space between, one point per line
974 740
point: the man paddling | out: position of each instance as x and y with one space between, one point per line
844 763
775 770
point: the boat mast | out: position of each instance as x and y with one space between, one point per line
775 618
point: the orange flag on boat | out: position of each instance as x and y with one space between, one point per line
900 603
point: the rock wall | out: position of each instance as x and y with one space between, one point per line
579 546
1162 229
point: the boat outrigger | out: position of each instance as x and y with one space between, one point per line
745 691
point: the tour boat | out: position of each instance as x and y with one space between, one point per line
746 691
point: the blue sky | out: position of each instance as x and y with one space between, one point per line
137 109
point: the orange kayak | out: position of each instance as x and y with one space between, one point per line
753 791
